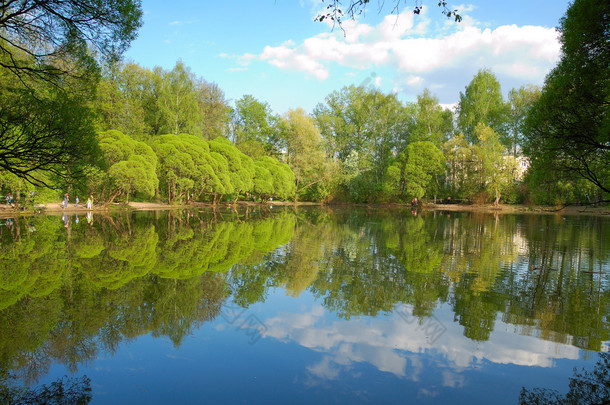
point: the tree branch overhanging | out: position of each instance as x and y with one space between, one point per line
336 12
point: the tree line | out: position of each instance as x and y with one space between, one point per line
92 123
359 145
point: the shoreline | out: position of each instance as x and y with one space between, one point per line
55 208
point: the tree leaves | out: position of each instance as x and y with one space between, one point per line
568 128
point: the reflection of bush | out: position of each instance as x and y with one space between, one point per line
111 282
109 258
32 264
123 258
221 245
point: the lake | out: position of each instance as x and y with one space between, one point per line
301 305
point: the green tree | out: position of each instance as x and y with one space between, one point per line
214 112
520 101
48 31
237 176
131 167
482 102
124 98
273 178
342 121
385 130
305 154
45 128
432 122
177 100
47 77
460 164
186 167
568 129
362 129
495 168
415 171
255 128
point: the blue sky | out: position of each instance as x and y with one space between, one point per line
274 50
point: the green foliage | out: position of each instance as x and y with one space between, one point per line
131 167
414 171
568 127
305 154
239 172
254 128
276 179
144 102
186 167
126 99
107 26
48 77
135 175
521 101
482 103
495 169
362 129
176 99
432 122
44 129
25 194
263 181
554 189
459 179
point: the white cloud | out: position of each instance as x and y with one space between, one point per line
417 53
392 344
285 57
245 59
415 80
394 27
180 23
325 369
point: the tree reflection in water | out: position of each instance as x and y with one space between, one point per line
65 391
67 295
586 387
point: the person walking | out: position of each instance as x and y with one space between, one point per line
76 202
90 201
66 200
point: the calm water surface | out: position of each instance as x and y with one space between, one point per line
300 306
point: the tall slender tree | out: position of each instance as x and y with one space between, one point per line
482 103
